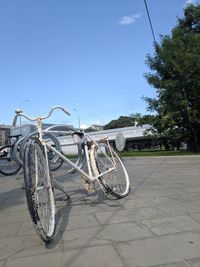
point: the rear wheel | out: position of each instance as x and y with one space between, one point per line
78 159
8 164
39 190
55 162
115 182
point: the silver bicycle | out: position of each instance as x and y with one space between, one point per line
98 163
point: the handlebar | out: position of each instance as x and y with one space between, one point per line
20 113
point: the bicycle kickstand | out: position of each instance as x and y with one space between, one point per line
61 188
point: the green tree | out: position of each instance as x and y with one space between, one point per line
176 69
146 119
122 121
89 130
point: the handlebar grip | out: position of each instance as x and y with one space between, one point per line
66 112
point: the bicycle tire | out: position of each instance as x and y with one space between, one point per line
54 164
8 164
39 190
79 160
17 151
55 161
115 182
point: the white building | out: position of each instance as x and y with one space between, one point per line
97 127
130 134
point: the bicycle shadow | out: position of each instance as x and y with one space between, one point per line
78 197
62 218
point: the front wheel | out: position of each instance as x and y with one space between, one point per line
39 190
54 161
116 181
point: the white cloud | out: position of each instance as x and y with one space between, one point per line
127 20
88 124
84 126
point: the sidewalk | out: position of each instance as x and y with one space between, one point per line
158 224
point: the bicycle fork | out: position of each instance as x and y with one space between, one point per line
39 129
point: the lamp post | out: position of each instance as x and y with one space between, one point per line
79 121
20 107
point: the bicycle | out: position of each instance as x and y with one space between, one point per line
104 167
8 156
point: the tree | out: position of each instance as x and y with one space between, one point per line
89 130
176 68
146 119
122 121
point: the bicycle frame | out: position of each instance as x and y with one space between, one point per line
89 174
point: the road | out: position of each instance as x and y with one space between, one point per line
158 224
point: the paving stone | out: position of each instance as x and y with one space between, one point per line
129 215
10 199
160 250
181 208
92 236
26 228
156 225
9 229
104 235
12 245
167 225
101 256
149 202
194 262
187 197
13 208
192 189
71 222
146 192
2 263
196 216
15 216
2 200
80 221
89 207
178 264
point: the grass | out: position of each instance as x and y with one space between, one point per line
150 153
158 153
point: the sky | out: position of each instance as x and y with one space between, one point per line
85 55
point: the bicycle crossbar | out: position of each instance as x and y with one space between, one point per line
69 161
77 168
102 173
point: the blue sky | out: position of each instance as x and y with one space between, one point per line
87 55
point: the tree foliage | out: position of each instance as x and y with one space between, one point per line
122 121
89 130
175 75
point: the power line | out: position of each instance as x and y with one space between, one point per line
150 22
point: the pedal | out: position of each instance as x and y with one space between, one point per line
89 186
64 198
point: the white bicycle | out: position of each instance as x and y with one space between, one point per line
103 166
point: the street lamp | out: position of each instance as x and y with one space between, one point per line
20 107
79 121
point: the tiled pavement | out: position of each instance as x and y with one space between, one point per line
158 224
